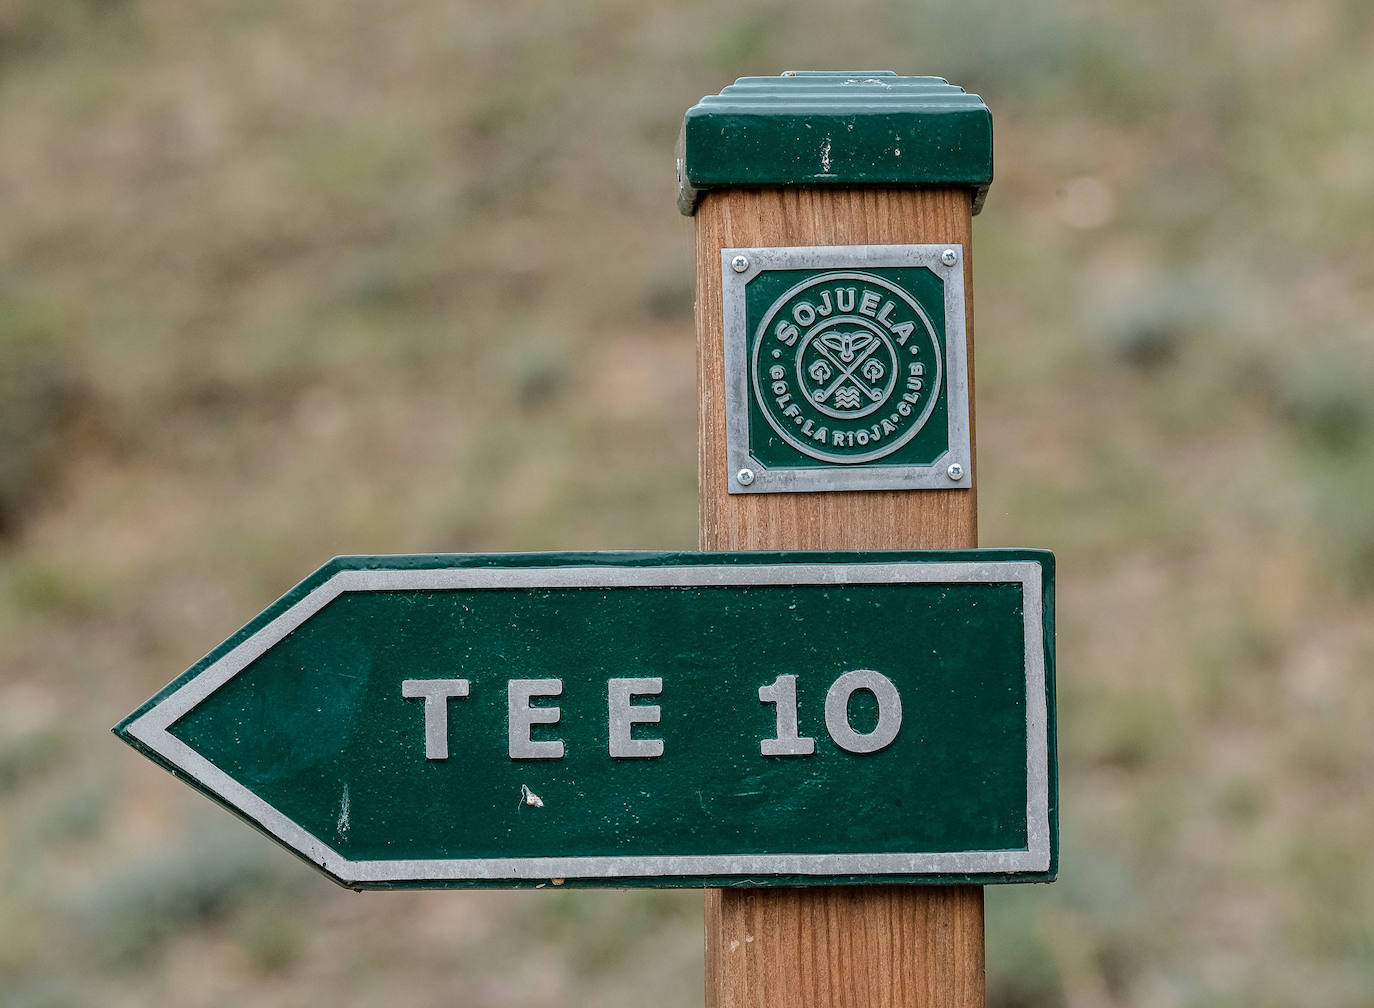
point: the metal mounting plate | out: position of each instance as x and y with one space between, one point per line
846 368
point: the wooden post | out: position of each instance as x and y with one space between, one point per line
885 945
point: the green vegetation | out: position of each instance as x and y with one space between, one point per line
280 281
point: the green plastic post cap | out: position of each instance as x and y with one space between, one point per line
845 128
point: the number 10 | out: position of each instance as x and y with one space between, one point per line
782 693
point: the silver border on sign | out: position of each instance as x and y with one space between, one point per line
152 729
843 476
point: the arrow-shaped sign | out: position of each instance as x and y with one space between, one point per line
636 719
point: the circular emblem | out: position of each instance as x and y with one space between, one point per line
846 367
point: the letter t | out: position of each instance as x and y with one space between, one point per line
436 693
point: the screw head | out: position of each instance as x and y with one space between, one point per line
949 257
744 477
740 263
956 471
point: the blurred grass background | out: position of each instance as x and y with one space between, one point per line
285 280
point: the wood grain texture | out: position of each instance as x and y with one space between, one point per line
864 519
838 946
831 947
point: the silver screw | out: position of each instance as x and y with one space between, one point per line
956 471
740 263
744 477
949 257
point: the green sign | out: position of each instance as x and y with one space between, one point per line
845 368
667 719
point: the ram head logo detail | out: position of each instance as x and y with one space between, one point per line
847 345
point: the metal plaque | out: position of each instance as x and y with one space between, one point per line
637 719
846 368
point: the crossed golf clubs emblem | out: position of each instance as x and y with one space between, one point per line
847 353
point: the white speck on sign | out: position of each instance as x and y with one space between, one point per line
341 827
